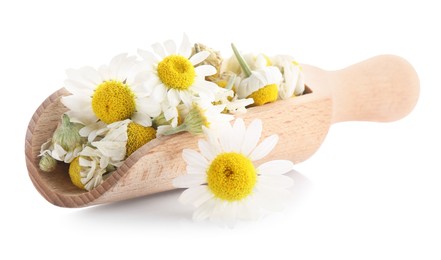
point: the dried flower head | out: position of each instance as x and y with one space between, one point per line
214 59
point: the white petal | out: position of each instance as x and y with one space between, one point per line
195 169
148 106
204 197
115 65
264 148
185 48
142 119
170 46
186 97
275 181
173 97
81 88
159 92
192 194
199 57
157 47
205 70
275 167
189 180
239 132
76 102
207 150
248 209
252 136
148 56
226 139
191 157
205 210
92 75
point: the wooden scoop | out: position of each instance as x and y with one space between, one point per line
383 88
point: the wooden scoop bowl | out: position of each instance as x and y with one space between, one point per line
383 88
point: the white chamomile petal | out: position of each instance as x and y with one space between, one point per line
195 169
275 167
189 180
159 50
207 150
185 48
199 57
264 148
194 158
252 136
170 46
192 194
275 181
239 132
204 211
148 56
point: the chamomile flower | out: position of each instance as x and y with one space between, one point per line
66 142
262 85
88 169
112 93
293 83
175 74
201 114
254 61
222 180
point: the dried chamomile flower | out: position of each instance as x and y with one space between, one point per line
47 163
293 83
214 59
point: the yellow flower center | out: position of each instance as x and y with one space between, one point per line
265 95
74 173
113 101
176 72
137 136
231 176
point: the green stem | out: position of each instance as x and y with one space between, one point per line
246 69
178 129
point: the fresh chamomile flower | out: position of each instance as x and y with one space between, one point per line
222 179
175 75
261 85
201 114
112 93
254 61
65 144
293 83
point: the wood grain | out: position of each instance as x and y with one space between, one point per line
384 88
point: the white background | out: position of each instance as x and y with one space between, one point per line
372 191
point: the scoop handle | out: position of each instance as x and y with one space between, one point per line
381 89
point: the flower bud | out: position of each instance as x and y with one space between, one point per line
47 163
